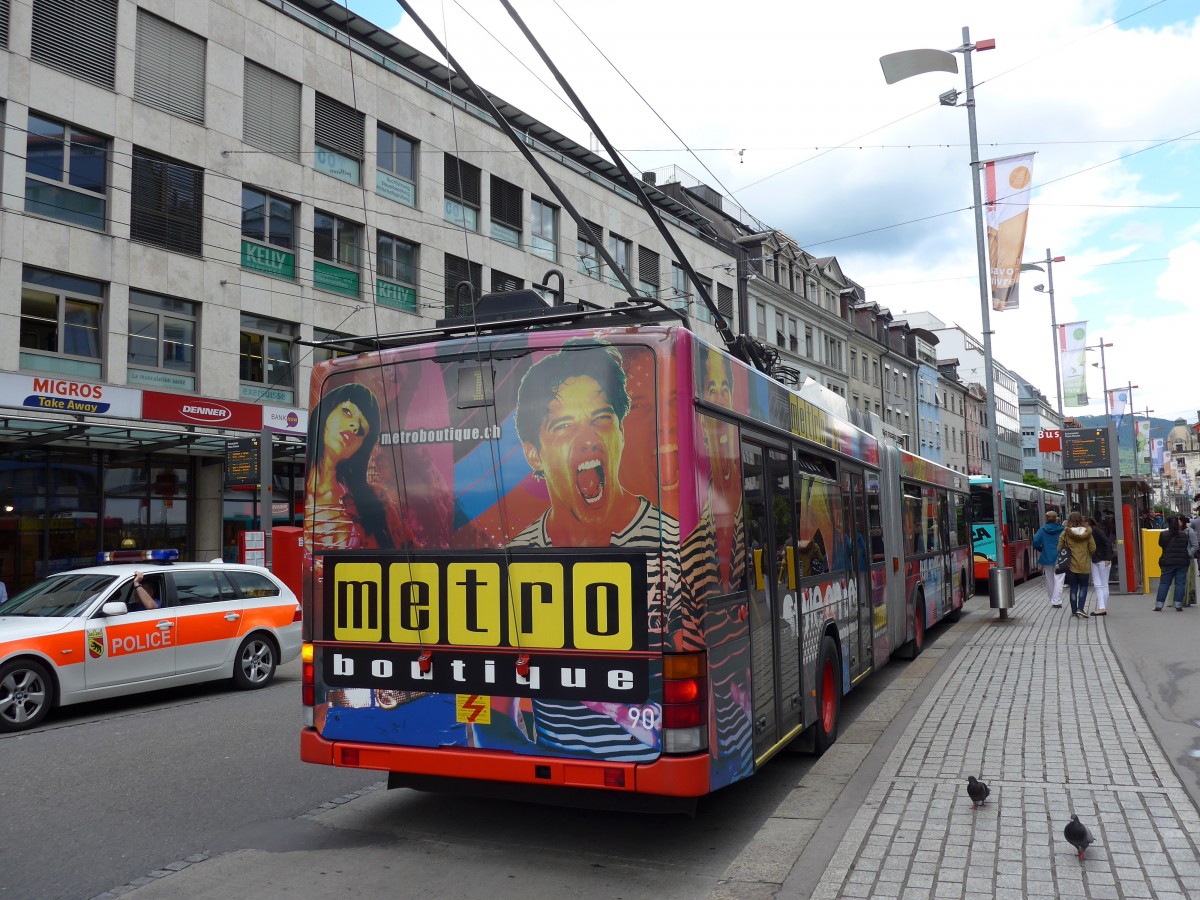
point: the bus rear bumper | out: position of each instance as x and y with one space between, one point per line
669 776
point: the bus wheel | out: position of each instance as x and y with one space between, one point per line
918 641
829 697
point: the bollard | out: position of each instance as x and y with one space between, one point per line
1001 590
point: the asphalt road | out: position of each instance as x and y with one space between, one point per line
1160 655
105 792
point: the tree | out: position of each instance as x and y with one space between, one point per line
1030 478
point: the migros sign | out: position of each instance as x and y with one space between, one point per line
542 601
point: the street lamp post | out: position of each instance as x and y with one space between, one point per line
905 64
1114 462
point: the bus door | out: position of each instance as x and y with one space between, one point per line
859 570
774 612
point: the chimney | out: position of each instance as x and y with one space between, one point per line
650 178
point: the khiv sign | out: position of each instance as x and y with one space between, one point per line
1050 440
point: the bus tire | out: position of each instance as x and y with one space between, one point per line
829 697
918 641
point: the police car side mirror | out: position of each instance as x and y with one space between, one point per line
114 608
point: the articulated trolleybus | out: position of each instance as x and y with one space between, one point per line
1023 510
600 554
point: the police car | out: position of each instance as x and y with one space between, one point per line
141 623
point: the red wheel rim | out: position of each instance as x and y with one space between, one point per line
828 702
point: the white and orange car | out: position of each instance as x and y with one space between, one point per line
90 633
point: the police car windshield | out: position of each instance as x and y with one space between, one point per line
57 597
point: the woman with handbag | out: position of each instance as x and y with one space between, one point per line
1045 542
1173 564
1078 539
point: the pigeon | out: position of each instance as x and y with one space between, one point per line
1079 835
977 790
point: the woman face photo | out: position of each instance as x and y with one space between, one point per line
345 430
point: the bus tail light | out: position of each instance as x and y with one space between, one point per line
307 681
685 702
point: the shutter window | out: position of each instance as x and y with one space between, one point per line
271 112
506 203
462 181
77 36
725 300
502 282
169 69
339 127
4 23
458 270
166 203
647 266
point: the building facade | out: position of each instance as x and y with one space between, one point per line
1037 415
195 191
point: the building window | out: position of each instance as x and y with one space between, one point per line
265 360
875 372
336 245
78 37
725 301
648 276
618 249
760 321
395 166
502 282
338 140
853 363
589 258
460 301
268 233
162 341
700 310
61 319
271 112
808 341
680 299
66 173
506 211
396 281
324 354
545 229
167 203
780 334
462 193
4 24
169 68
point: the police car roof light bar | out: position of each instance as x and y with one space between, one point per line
130 556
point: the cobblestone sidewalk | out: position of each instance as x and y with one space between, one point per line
1037 707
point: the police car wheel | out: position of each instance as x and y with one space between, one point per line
254 666
26 694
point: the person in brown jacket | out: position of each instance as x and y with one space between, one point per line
1077 538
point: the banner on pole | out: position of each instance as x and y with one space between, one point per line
1142 439
1118 401
1007 184
1156 456
1072 344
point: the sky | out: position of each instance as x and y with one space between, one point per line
782 105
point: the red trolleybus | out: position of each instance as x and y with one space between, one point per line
601 555
1023 510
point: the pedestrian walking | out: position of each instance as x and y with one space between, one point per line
1101 563
1193 576
1077 538
1045 542
1173 564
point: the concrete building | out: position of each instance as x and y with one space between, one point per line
954 416
1038 415
192 190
